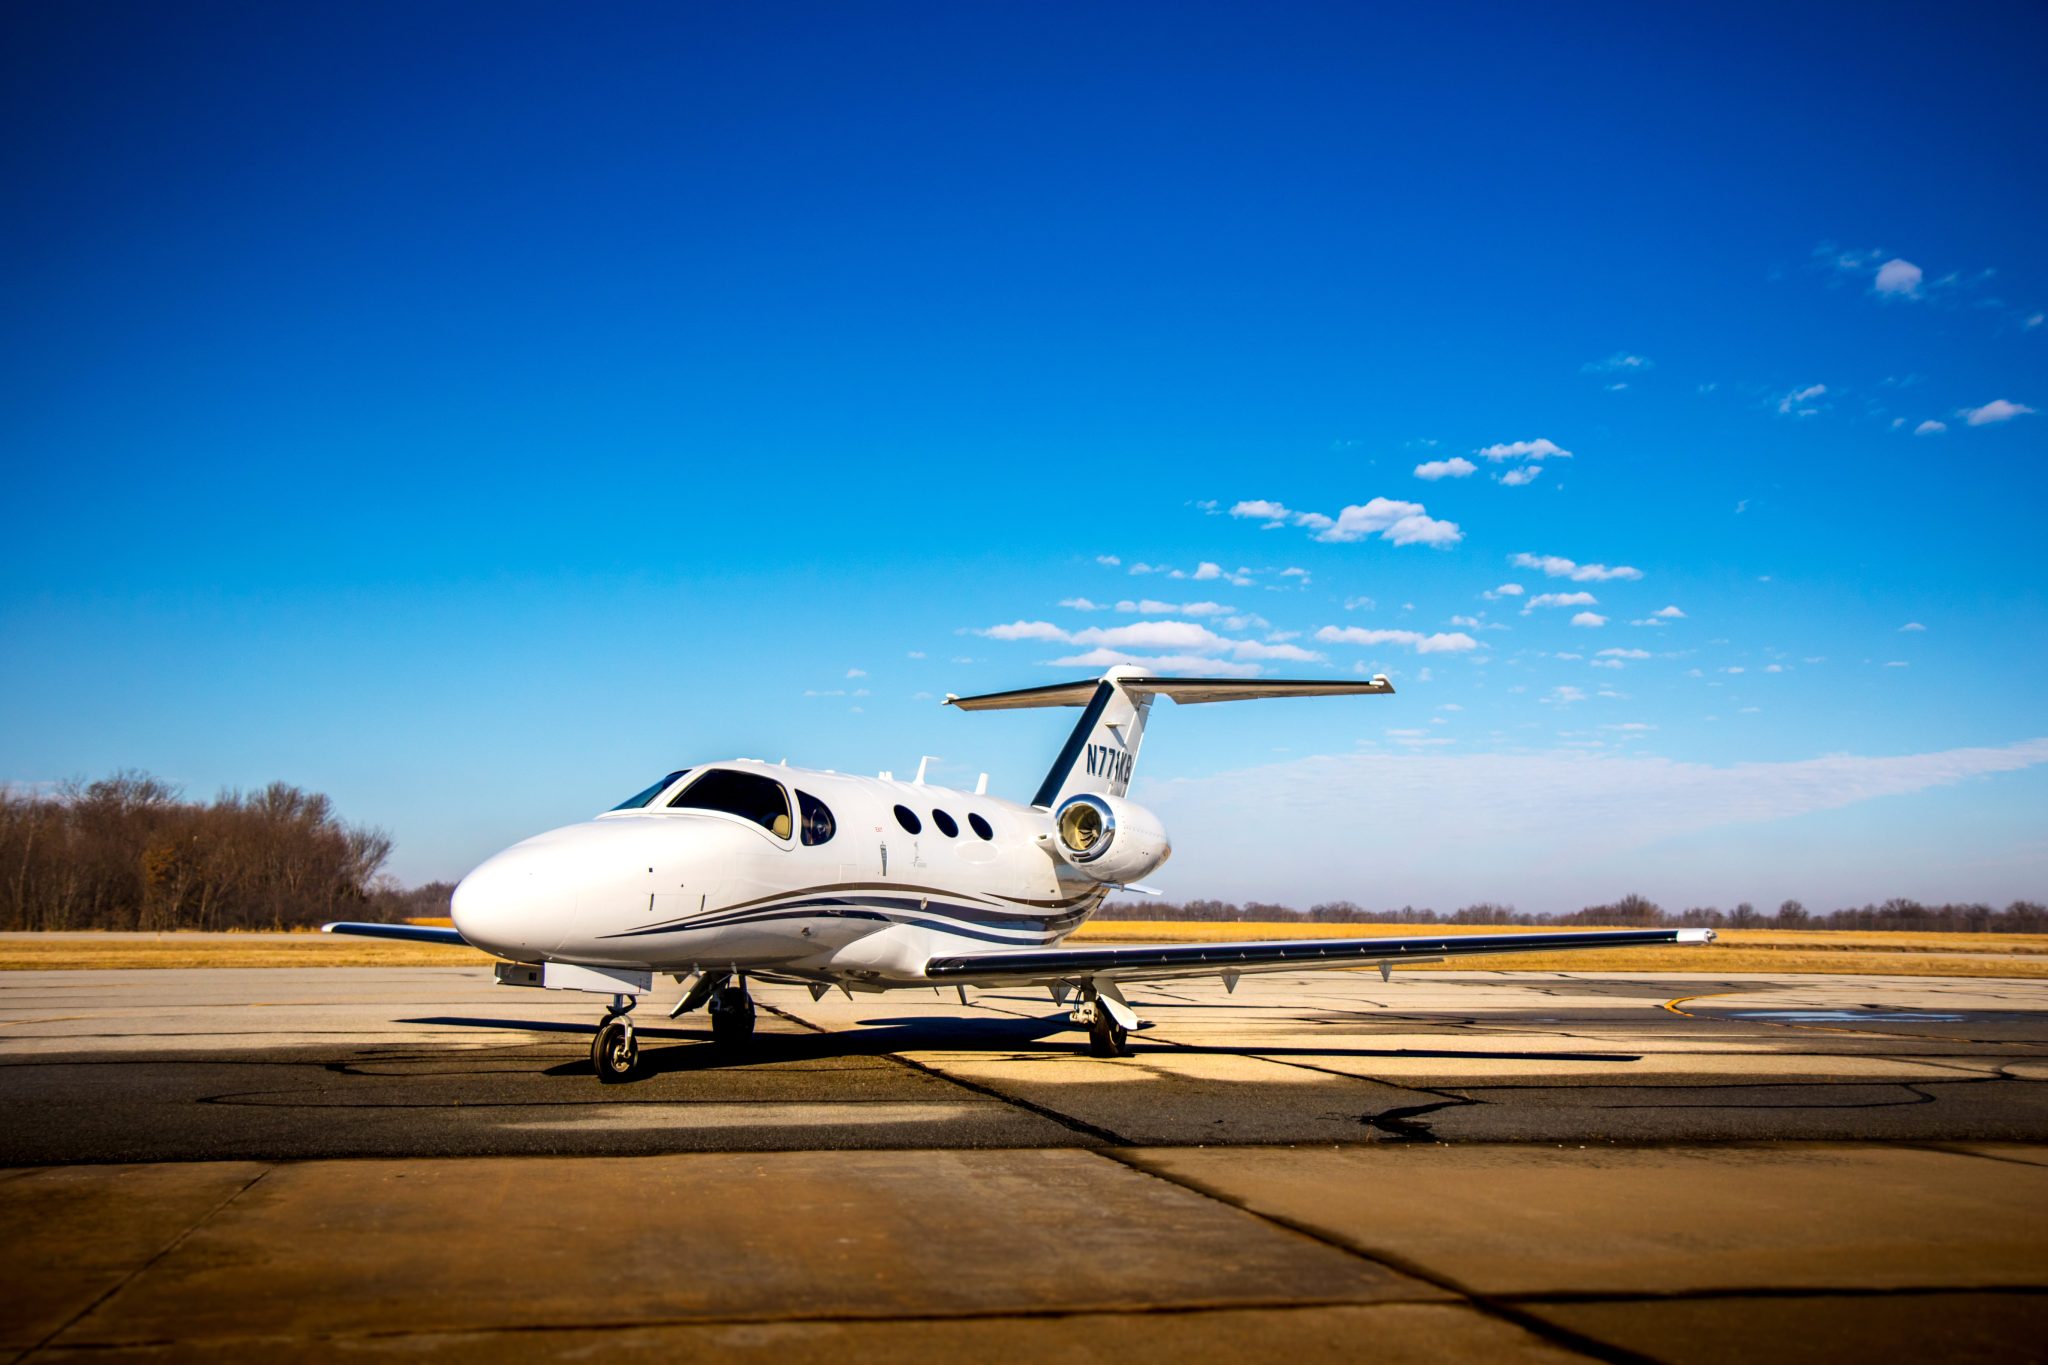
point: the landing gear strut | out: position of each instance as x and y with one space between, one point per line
614 1051
732 1016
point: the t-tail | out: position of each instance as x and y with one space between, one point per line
1100 755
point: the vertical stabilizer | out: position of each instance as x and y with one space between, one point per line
1101 753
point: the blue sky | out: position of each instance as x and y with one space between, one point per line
472 414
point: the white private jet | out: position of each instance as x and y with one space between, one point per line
741 869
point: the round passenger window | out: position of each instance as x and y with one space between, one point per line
907 818
945 823
980 826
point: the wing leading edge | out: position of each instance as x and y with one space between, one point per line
410 933
1151 961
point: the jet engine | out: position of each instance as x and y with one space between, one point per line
1108 838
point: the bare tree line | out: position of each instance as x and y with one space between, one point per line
128 852
2021 917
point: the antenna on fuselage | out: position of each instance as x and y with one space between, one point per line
981 786
922 763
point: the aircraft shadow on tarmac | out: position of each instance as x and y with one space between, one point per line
883 1037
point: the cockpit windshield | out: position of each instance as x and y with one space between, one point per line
639 800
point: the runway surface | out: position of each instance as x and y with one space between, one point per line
1321 1165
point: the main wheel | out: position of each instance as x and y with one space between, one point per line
615 1052
1106 1037
732 1018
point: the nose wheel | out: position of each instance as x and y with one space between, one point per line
732 1017
614 1051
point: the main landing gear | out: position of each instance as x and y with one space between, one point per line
732 1016
614 1051
1106 1037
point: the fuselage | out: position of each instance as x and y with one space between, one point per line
862 881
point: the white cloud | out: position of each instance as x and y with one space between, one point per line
1669 613
1146 607
1624 653
1898 278
1616 362
1111 560
1538 449
916 654
1291 572
1261 510
1565 696
1930 428
1504 590
1457 467
1557 566
1315 521
1149 635
1403 523
856 672
1206 570
1912 625
1359 604
1559 599
1252 649
1024 630
1797 403
1441 643
1515 478
1204 609
1141 567
1164 664
1997 410
2033 320
1080 604
1589 618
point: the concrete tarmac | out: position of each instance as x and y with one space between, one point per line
414 1161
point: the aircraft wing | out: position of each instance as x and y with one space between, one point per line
1142 962
411 933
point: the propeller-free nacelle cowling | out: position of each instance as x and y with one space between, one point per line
1108 838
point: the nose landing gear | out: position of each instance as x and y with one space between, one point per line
614 1051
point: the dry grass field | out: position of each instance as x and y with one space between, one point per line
1739 950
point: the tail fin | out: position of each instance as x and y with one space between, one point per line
1101 753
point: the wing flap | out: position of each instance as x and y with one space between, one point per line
409 933
1141 962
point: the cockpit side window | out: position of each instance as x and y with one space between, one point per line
640 799
748 795
818 826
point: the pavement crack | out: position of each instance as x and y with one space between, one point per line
1488 1304
146 1266
1067 1121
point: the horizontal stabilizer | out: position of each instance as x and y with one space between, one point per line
409 933
1187 691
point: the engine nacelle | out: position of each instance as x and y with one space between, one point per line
1108 838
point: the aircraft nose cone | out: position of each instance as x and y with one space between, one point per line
515 904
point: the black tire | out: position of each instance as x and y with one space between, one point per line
615 1052
732 1018
1107 1038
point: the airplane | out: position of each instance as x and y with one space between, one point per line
741 870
